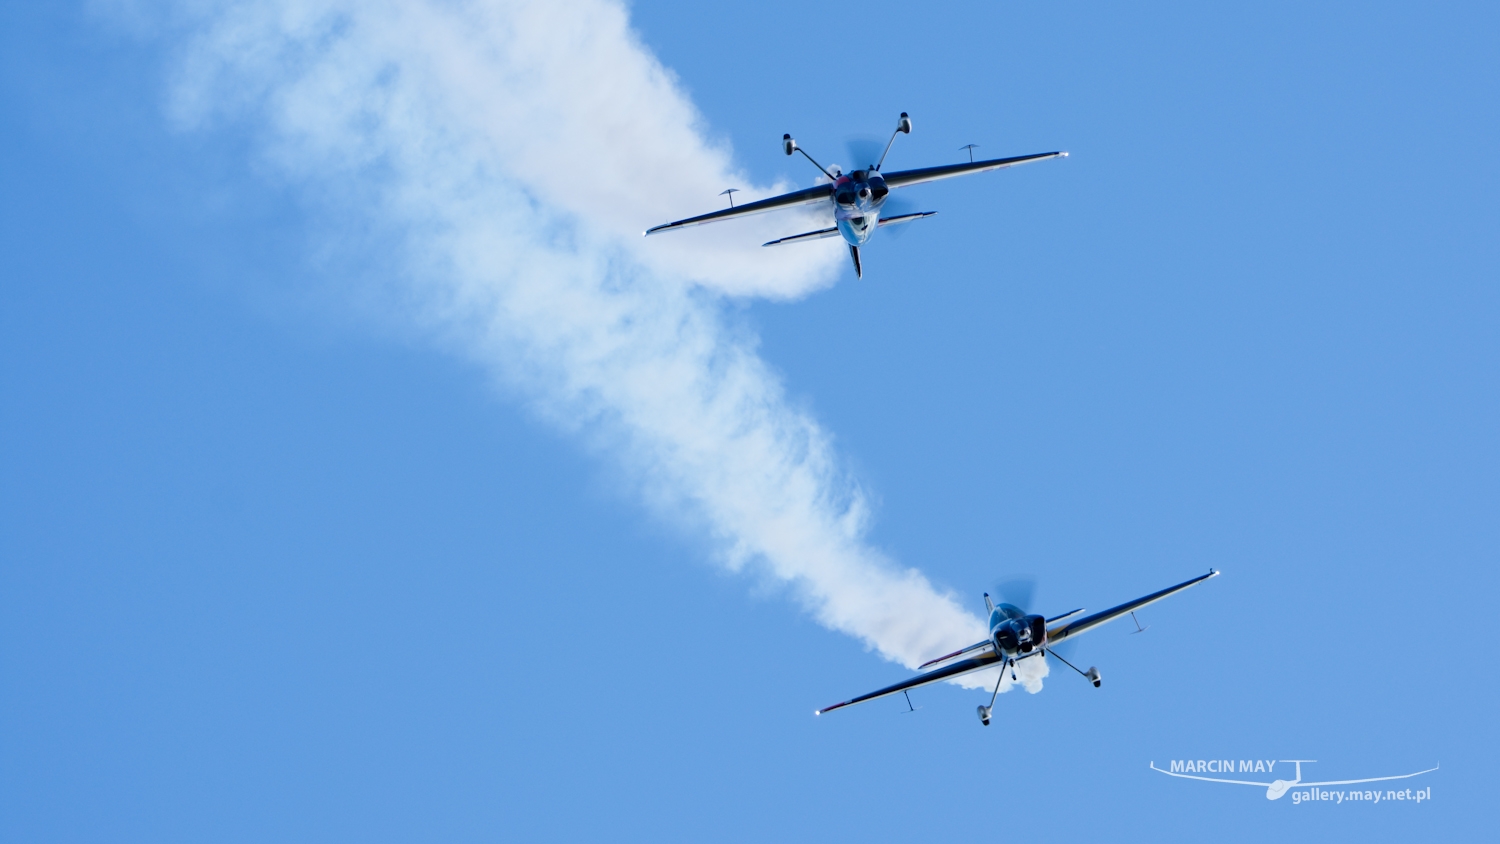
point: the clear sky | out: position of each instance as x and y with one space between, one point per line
360 481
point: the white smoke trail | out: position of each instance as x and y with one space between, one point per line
519 149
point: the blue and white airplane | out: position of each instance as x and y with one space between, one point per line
1016 635
855 198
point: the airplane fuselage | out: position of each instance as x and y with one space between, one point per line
1015 634
857 199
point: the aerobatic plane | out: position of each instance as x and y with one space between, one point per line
855 198
1016 635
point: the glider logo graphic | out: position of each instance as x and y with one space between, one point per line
1301 791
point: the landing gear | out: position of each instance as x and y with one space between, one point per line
984 711
1092 675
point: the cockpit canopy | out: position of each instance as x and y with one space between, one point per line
845 191
1007 611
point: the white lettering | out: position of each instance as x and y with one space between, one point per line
1177 767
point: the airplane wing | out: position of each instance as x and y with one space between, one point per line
957 669
1073 628
971 651
775 203
902 178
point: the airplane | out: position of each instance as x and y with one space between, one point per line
1016 635
1276 789
855 198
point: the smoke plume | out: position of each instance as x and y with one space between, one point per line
515 152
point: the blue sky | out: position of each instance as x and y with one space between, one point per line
283 558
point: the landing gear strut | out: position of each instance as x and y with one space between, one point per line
984 711
1092 675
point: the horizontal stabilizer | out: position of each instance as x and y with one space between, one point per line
905 218
798 238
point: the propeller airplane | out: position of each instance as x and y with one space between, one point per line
1016 635
855 198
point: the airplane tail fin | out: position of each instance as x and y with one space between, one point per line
854 253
